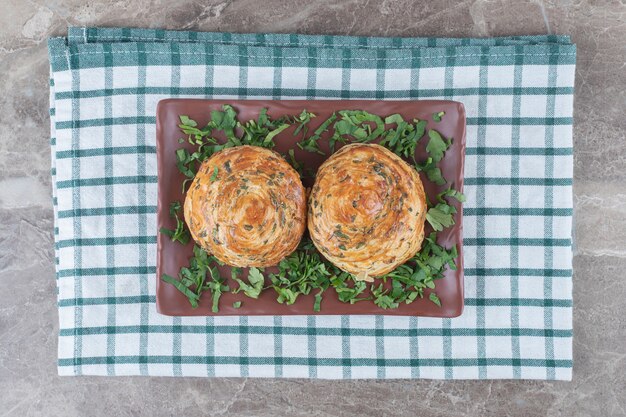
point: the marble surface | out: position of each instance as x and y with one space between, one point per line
29 385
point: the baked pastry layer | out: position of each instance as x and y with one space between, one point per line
246 206
367 210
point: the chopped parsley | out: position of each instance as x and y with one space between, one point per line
180 233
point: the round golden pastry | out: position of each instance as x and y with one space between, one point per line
246 206
367 210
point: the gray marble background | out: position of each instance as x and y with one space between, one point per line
28 317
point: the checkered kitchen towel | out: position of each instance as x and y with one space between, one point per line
518 95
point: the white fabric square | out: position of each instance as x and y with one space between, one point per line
397 79
466 372
226 76
63 82
432 78
262 371
499 167
531 227
500 106
499 372
94 315
329 372
125 77
396 348
498 257
498 227
532 347
260 344
561 316
533 106
295 346
126 255
464 346
531 167
164 369
397 372
471 104
295 77
362 372
329 346
563 105
498 317
193 344
497 287
92 108
122 226
531 196
296 371
126 344
430 347
362 347
124 106
92 167
498 347
498 136
90 79
125 165
531 317
326 79
261 77
97 259
498 195
363 79
193 76
158 76
565 75
532 256
126 314
530 287
501 76
120 135
94 345
466 77
535 75
532 136
365 322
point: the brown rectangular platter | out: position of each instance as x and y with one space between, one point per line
171 256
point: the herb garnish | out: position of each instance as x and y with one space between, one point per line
260 132
437 116
180 233
305 271
192 281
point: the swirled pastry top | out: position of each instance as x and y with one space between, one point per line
246 206
367 210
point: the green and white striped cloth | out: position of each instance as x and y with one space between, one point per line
518 93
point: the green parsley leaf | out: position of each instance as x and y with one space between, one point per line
192 281
450 192
318 301
191 296
237 304
433 297
187 122
440 216
254 286
311 144
180 233
437 116
436 146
